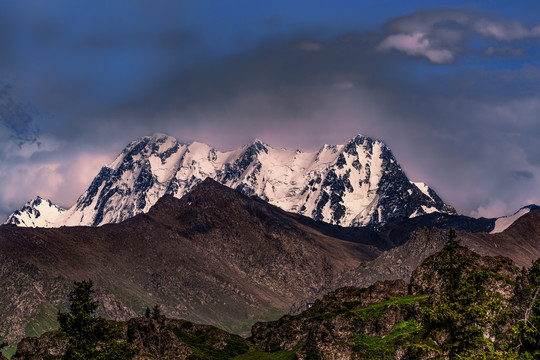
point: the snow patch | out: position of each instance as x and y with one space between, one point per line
504 222
423 188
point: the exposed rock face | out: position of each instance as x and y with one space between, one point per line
427 279
351 184
49 344
155 339
328 325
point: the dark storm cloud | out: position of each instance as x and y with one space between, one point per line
16 118
470 133
523 175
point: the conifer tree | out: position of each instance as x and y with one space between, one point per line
90 336
457 318
526 341
156 312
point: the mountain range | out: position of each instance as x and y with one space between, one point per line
352 184
231 238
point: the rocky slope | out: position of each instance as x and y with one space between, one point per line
382 321
215 256
422 237
351 184
385 320
160 338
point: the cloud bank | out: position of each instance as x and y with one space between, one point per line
451 91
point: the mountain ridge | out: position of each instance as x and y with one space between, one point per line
220 257
38 212
352 184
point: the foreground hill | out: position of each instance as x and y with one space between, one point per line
457 303
215 256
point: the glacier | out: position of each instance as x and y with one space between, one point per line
352 184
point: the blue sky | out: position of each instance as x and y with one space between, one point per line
451 87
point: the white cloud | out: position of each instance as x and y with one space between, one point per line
441 35
57 176
416 44
493 209
506 30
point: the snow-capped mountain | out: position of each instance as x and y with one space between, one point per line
351 184
36 213
504 222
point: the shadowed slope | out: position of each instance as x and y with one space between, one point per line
214 256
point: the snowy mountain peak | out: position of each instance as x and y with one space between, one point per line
258 141
36 213
352 184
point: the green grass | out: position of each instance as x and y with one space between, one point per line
202 344
44 320
9 350
375 310
374 347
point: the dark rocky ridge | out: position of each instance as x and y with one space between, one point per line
214 256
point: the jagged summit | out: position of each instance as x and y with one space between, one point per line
352 184
36 213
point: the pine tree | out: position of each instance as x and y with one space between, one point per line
526 341
156 312
457 318
90 336
147 313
